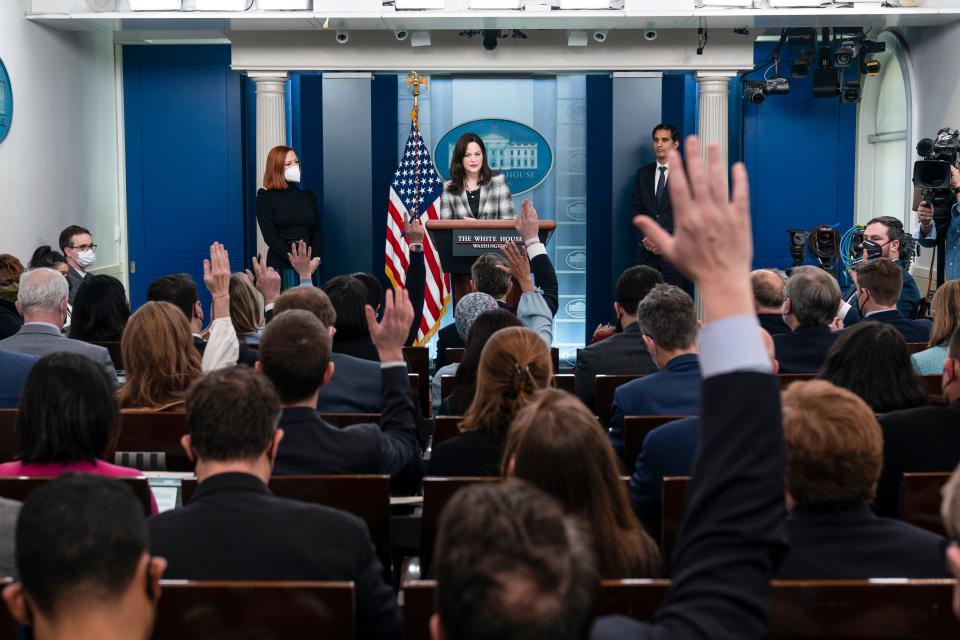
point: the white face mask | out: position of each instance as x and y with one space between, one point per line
86 258
292 173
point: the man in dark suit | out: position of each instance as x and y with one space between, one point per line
811 299
487 276
668 322
768 286
235 529
295 356
652 198
737 484
14 369
834 455
878 284
885 237
622 352
78 248
921 439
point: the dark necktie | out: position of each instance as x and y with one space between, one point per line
661 182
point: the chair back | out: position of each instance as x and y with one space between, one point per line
635 430
674 499
445 427
916 347
8 434
786 379
563 381
920 500
159 432
437 492
116 355
606 385
418 362
19 488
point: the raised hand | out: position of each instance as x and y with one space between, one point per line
265 279
390 334
712 242
302 260
216 277
527 225
414 231
517 266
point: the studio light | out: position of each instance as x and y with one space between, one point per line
850 92
753 91
491 38
801 66
846 53
826 83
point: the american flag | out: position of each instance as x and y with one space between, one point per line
415 192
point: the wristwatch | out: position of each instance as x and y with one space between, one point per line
417 247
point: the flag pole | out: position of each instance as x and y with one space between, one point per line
414 82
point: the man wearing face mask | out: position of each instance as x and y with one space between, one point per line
287 214
883 238
77 246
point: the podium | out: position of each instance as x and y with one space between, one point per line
460 242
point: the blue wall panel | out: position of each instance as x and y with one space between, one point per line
182 107
800 154
599 199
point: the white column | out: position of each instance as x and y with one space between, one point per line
713 125
271 123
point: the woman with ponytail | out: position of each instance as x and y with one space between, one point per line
514 365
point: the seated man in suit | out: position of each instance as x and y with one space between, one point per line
768 287
354 386
669 450
295 356
486 588
235 529
883 238
668 321
490 274
622 352
78 248
43 303
83 566
834 455
921 439
878 284
14 369
812 297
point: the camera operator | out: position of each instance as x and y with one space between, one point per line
926 230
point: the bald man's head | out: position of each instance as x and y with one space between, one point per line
767 290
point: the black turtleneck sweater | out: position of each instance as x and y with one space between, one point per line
285 216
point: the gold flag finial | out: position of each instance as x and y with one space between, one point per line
414 82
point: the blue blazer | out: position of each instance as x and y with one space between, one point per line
354 387
14 369
668 450
672 391
911 330
804 350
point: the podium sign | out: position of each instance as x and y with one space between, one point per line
476 242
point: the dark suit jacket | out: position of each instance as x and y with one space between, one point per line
668 450
235 529
312 446
14 369
921 439
74 280
856 544
645 203
911 330
620 353
354 387
730 542
475 453
908 304
804 350
773 323
358 348
10 319
674 391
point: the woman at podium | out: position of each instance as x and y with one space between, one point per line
286 213
474 190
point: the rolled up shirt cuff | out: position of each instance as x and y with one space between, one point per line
536 249
306 282
733 344
393 363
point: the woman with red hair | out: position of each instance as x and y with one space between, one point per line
287 213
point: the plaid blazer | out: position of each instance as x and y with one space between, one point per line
496 202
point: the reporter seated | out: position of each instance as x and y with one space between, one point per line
871 360
246 309
921 439
834 455
768 297
67 422
556 444
668 321
100 310
160 359
235 529
811 300
14 369
468 309
349 298
878 286
354 386
514 364
295 357
945 309
83 566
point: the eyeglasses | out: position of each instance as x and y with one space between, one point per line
84 247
